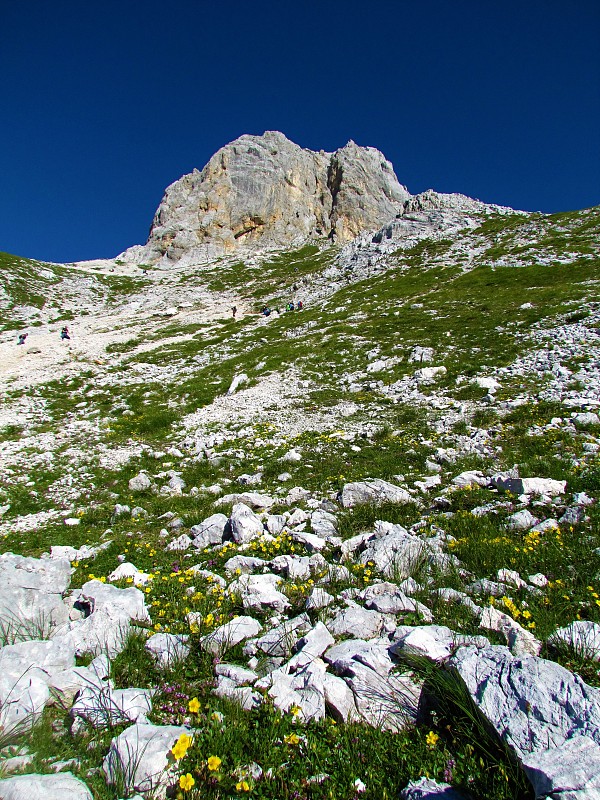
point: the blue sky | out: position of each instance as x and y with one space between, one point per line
106 103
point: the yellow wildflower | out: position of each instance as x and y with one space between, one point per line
213 763
242 786
292 739
186 782
181 746
431 739
194 705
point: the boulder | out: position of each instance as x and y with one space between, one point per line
519 486
140 483
44 787
26 671
357 622
244 565
259 592
167 648
311 646
533 704
374 654
230 634
568 772
280 640
318 598
244 696
520 641
300 685
137 759
296 568
31 595
389 703
582 636
210 532
323 523
434 642
428 789
521 521
373 490
394 551
339 700
103 706
245 525
470 478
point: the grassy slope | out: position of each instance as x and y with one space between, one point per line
427 294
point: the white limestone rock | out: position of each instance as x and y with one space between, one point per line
26 670
373 490
428 789
137 759
129 570
296 568
435 642
265 191
339 699
44 787
394 551
301 686
230 634
140 483
281 639
387 598
252 499
311 646
357 622
312 542
244 696
258 592
468 478
239 675
521 642
318 598
429 374
521 521
238 381
31 593
168 648
533 704
245 525
374 654
324 524
582 636
389 703
568 772
210 531
420 355
529 486
104 706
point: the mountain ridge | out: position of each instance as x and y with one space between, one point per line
265 192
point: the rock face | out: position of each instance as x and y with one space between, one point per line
268 191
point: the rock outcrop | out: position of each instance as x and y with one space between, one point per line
267 191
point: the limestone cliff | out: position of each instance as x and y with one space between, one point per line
265 191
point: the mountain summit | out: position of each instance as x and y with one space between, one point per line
267 191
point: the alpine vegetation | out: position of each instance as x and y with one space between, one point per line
300 498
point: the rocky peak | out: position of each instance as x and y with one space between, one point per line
266 191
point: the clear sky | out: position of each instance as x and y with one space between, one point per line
103 104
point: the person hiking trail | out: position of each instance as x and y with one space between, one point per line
22 337
64 334
234 311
